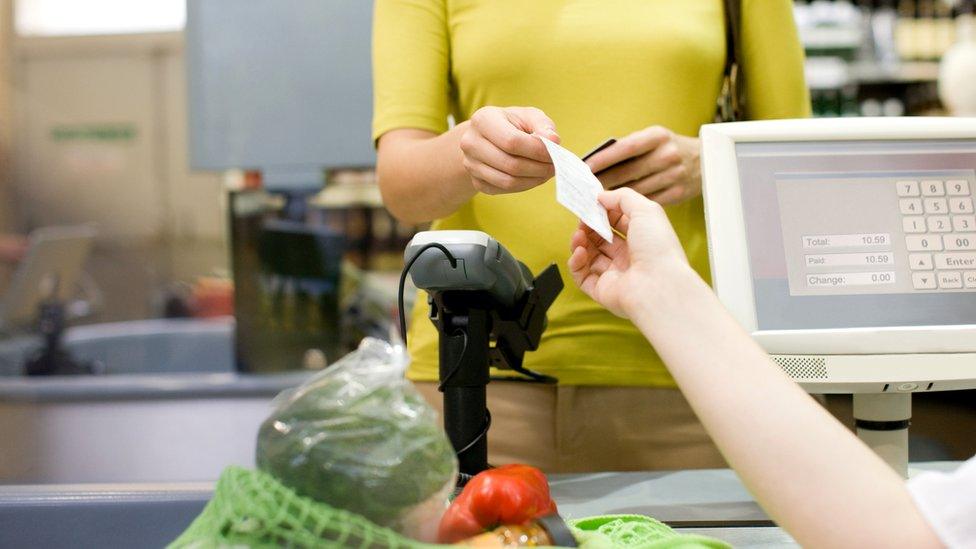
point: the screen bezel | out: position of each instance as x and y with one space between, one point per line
728 244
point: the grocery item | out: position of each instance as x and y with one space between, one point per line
359 437
527 535
507 495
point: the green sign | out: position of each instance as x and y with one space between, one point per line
94 132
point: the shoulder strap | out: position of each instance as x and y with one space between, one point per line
733 40
733 61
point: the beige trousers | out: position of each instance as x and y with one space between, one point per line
563 429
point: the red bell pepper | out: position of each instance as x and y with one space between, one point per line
506 495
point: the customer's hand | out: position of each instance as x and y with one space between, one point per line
614 275
655 162
500 153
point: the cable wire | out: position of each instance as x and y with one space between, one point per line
458 363
403 281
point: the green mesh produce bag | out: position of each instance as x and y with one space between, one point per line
252 509
636 531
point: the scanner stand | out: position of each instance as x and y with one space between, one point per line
476 334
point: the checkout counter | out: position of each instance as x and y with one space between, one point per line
707 502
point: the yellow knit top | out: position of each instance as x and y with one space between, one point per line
599 69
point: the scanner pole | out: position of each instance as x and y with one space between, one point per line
882 422
464 375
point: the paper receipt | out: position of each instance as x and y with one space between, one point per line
577 189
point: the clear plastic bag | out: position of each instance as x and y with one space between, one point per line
359 437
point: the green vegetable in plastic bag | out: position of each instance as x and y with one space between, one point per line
358 436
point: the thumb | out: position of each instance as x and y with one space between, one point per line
533 120
625 200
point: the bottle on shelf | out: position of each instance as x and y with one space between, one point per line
884 21
945 27
925 31
906 36
957 72
848 102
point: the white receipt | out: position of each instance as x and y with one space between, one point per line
577 189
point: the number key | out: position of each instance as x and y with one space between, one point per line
964 223
957 187
959 242
933 188
961 205
940 224
910 206
936 206
907 188
923 243
914 224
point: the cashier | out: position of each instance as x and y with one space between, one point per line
810 474
577 71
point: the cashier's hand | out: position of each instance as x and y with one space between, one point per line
500 153
655 162
614 274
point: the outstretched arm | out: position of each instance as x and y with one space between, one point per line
812 476
424 176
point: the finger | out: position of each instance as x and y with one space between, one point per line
601 246
501 181
593 243
600 264
582 273
579 266
588 284
533 120
592 248
578 260
480 149
496 127
660 159
612 249
577 240
669 196
660 181
627 201
617 220
484 187
633 145
594 237
597 246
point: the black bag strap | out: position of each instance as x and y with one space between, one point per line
731 105
733 16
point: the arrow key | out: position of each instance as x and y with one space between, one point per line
924 281
920 262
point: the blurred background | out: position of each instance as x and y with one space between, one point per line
167 166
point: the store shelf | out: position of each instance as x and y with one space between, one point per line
903 73
827 73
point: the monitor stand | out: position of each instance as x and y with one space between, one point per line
882 421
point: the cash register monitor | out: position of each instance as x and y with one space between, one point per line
847 247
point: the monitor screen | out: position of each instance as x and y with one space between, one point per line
856 234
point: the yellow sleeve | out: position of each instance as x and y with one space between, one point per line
772 63
411 64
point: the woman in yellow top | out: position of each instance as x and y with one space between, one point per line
647 72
